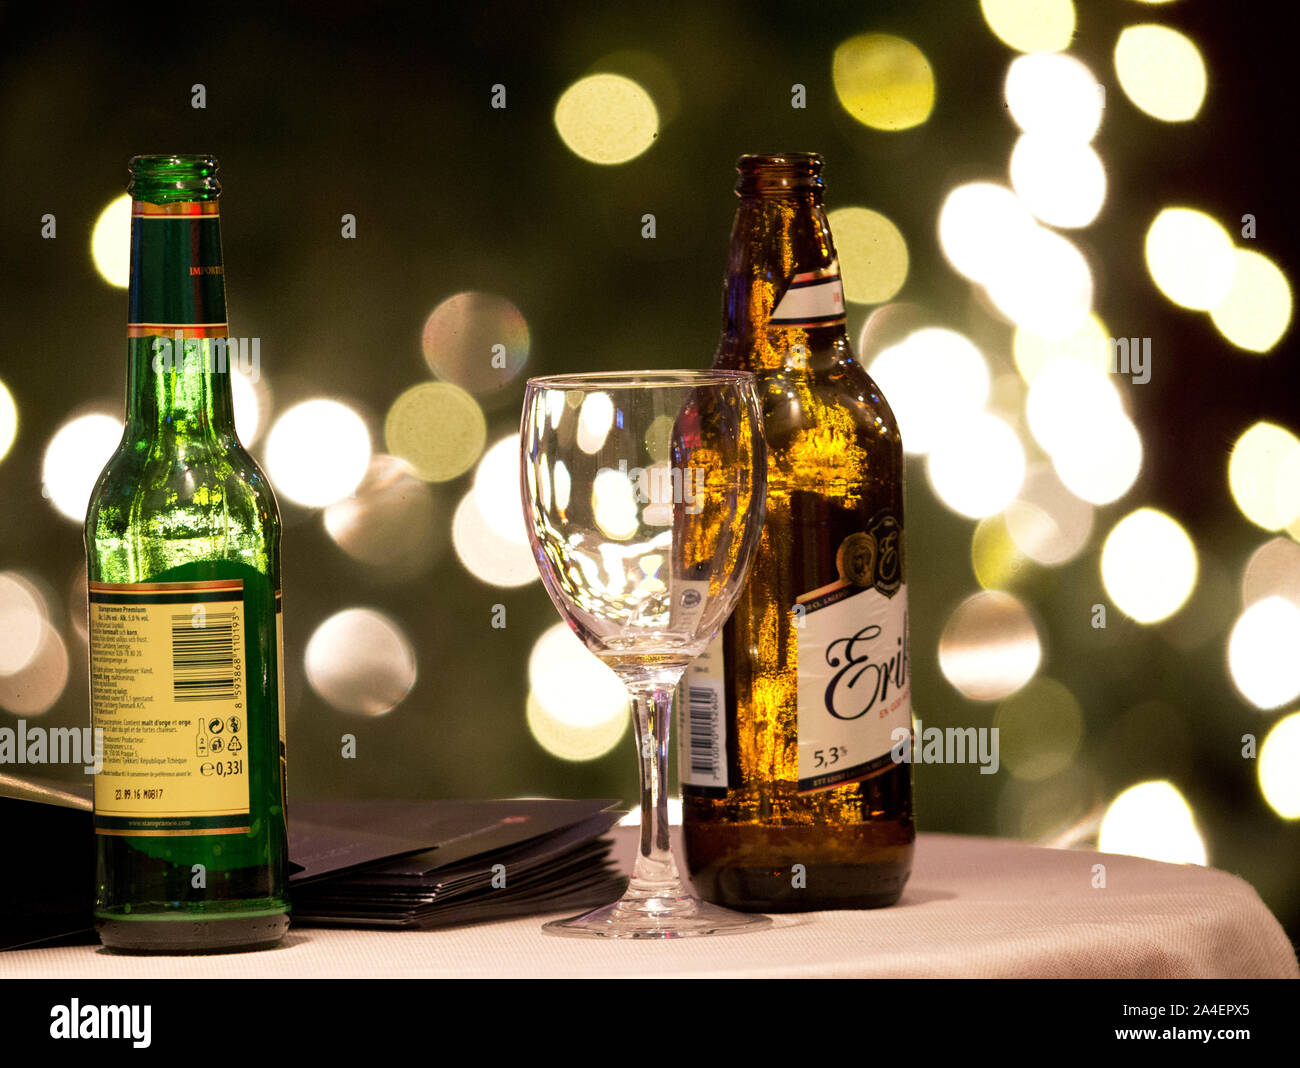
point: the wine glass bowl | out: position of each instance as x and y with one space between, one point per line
643 498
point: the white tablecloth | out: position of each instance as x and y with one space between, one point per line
973 907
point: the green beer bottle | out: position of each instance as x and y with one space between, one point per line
186 650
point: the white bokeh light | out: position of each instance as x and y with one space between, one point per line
317 452
977 468
1054 95
74 458
1148 565
931 377
1262 652
1153 820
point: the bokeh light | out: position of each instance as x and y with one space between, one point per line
1190 257
883 81
360 661
606 118
1153 820
1264 475
496 490
1273 570
251 400
571 741
317 452
389 522
1062 182
1255 312
1048 523
1089 344
1262 652
1039 729
932 377
1054 96
594 421
110 242
1074 412
1161 71
981 224
37 685
577 707
478 341
978 466
1031 25
8 420
872 254
22 622
990 646
1148 565
487 555
438 428
74 458
1279 767
1043 283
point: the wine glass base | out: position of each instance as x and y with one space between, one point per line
667 916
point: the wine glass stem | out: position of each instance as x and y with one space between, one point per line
655 874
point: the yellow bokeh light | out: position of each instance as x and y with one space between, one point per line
1054 96
1161 71
1148 565
110 242
317 452
1153 820
996 559
1264 475
1062 182
1256 310
1031 25
606 118
8 420
571 741
1279 767
977 467
1039 730
73 460
990 646
572 684
932 377
883 81
1262 652
437 428
872 254
1190 257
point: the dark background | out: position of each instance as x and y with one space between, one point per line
382 112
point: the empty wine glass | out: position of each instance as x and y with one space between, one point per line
643 496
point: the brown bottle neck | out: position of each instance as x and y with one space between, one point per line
783 303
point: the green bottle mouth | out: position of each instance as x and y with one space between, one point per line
163 178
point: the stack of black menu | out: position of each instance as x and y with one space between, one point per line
393 864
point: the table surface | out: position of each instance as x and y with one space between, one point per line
979 907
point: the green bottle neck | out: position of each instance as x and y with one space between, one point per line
178 357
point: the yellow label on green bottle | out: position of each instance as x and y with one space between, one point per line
168 690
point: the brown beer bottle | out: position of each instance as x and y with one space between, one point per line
791 720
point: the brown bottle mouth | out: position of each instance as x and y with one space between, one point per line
778 172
